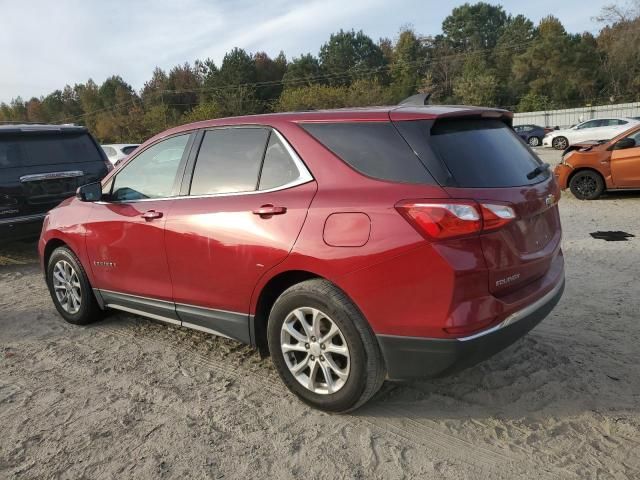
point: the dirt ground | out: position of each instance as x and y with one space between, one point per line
130 398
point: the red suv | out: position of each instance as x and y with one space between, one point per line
352 245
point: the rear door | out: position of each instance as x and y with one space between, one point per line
485 161
40 169
240 215
625 164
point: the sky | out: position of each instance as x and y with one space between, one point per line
48 44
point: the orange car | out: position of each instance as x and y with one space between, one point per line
590 168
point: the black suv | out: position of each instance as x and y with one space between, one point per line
41 165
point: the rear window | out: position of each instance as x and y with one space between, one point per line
480 153
375 149
38 149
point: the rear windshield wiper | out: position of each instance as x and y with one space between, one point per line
538 170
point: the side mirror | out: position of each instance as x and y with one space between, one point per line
624 143
92 192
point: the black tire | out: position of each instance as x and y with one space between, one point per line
367 370
88 310
534 141
560 143
586 185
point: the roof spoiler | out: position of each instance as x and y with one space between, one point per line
420 99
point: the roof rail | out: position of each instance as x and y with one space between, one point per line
419 99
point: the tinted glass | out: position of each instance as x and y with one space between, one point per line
229 160
128 150
45 149
373 148
590 124
152 173
483 153
278 168
10 152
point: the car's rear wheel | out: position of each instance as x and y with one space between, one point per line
534 141
323 348
70 288
560 143
586 185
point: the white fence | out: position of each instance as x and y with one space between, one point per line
571 116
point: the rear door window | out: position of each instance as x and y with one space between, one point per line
478 153
229 161
375 149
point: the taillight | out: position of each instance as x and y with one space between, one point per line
454 218
496 216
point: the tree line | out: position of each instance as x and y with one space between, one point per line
484 56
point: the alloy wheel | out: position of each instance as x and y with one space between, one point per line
534 141
315 350
66 285
586 186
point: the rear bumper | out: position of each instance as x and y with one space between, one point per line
20 227
413 357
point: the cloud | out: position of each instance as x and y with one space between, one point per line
47 44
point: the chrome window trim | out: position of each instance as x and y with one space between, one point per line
304 177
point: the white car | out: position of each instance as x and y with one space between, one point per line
118 151
596 129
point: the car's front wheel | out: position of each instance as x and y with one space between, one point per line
323 348
586 185
70 288
560 143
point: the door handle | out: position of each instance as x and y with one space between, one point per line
151 214
266 211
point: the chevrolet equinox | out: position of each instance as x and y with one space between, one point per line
353 245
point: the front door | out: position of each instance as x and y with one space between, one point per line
245 207
125 231
625 165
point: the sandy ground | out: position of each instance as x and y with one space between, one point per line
130 398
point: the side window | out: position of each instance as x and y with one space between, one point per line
152 173
636 137
589 124
229 161
278 167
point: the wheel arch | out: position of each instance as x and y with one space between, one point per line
269 293
50 246
582 169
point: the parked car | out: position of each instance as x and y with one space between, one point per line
602 129
532 134
41 165
118 151
590 168
353 245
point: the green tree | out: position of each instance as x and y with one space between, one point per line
408 64
304 70
477 26
350 55
477 84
